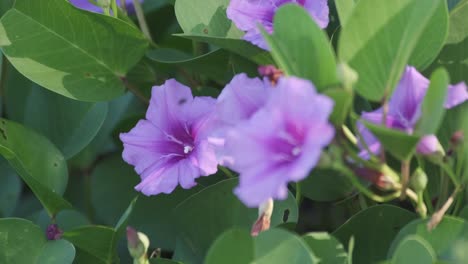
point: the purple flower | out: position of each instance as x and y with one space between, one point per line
281 142
249 14
404 111
171 147
88 5
238 101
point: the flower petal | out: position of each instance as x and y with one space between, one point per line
457 94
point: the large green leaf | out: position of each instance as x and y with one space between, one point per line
454 56
94 244
305 51
433 109
23 242
70 124
373 230
326 185
442 238
151 215
398 143
10 189
207 22
327 248
79 54
414 249
39 163
344 9
380 37
218 206
275 246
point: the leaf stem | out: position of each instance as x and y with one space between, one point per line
141 19
405 175
226 171
115 9
437 216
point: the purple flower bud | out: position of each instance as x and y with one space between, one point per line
430 145
53 232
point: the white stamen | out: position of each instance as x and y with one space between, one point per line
187 149
296 151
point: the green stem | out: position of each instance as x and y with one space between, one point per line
226 171
141 19
422 209
298 194
123 5
115 9
450 173
428 202
405 175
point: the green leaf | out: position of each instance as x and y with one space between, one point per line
414 249
57 252
373 230
78 54
274 246
433 109
147 213
70 124
39 163
380 37
398 143
305 51
213 64
95 244
454 56
208 22
23 242
327 248
10 189
443 238
238 46
345 8
5 6
232 247
228 212
326 185
208 18
343 102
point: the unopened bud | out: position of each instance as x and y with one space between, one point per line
430 147
138 244
270 72
53 232
418 180
386 179
457 138
347 75
264 217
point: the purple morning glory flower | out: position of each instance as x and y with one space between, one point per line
238 101
405 110
87 5
247 15
170 146
281 142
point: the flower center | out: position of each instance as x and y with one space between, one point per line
187 149
296 151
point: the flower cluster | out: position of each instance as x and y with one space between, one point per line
404 111
269 135
251 15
